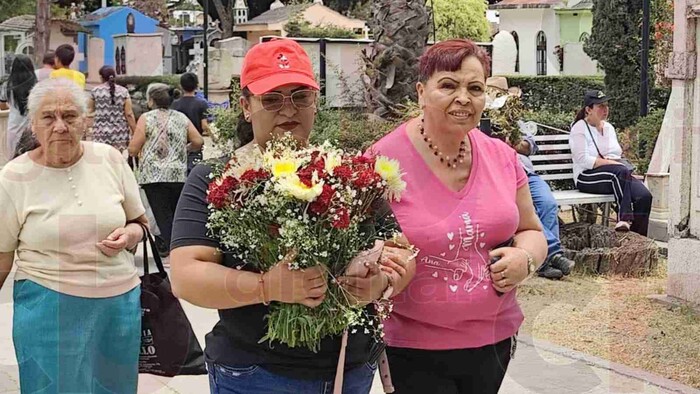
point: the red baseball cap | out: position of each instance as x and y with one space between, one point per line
274 63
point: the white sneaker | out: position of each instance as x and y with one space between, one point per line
622 226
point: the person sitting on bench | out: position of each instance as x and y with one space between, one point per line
556 265
599 167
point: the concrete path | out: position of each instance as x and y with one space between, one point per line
538 367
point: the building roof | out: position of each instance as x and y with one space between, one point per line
102 13
582 5
19 23
506 4
277 15
26 23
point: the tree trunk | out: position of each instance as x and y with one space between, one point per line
600 250
225 17
400 29
42 33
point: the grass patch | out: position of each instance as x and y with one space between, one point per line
612 318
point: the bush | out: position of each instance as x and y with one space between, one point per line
351 130
560 120
638 140
140 83
564 95
554 93
298 27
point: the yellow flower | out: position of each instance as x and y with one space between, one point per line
390 171
333 160
292 186
284 168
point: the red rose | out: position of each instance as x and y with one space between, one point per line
320 165
366 178
343 220
253 176
305 175
343 172
323 201
218 194
362 160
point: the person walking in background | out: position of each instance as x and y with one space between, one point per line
162 139
13 96
114 121
48 64
599 167
65 54
196 111
70 212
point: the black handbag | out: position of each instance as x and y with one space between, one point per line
168 344
622 161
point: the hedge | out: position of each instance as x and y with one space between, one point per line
140 83
555 93
564 94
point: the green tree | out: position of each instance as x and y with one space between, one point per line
12 8
461 19
615 43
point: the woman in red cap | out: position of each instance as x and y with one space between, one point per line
279 95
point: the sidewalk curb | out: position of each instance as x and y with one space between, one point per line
633 373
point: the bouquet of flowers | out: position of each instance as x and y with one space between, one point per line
318 201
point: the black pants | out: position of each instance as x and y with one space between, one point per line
163 199
193 158
462 371
631 196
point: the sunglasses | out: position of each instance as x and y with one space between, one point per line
301 99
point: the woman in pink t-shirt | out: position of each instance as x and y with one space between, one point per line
453 328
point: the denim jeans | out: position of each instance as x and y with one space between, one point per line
254 379
547 210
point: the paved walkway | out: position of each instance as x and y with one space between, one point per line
537 368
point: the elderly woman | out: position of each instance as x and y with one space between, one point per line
275 100
466 194
162 139
71 211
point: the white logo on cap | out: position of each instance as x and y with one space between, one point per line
283 61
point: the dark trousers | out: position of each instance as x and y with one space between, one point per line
463 371
163 199
193 158
631 196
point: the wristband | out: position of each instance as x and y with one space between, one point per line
261 280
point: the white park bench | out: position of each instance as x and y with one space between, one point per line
554 158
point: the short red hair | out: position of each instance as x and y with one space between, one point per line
449 55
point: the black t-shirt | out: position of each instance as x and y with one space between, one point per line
194 108
234 339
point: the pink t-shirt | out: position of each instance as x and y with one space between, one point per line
451 304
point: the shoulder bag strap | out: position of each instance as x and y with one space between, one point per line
593 138
148 239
